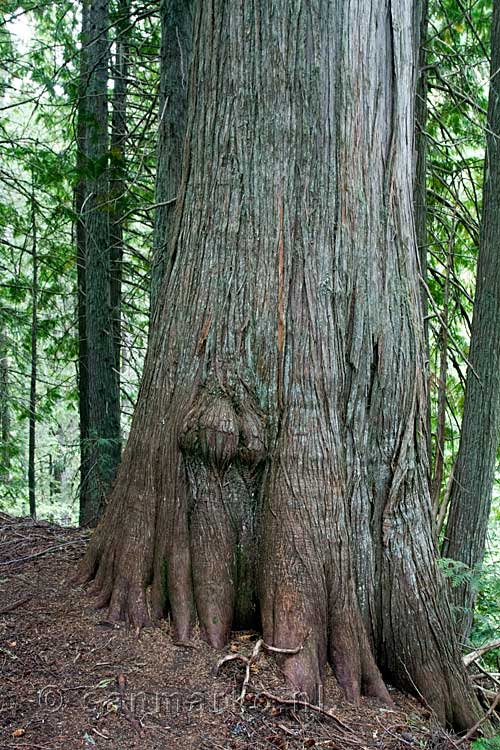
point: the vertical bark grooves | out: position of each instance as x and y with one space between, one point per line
420 185
118 157
103 383
80 193
420 188
176 50
470 499
34 356
287 365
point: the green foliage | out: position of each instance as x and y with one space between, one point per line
493 743
458 71
39 49
487 612
485 580
458 573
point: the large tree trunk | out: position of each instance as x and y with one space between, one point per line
176 50
474 471
277 464
103 382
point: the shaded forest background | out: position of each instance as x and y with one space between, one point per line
40 92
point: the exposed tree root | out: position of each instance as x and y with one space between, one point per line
292 702
118 564
190 548
252 659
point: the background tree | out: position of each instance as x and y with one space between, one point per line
102 373
34 355
39 77
80 194
278 449
474 471
31 106
118 171
4 411
457 70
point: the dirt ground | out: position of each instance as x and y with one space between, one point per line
71 680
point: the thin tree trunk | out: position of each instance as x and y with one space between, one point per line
474 473
80 234
437 478
420 187
118 169
57 472
420 192
443 508
50 476
5 436
277 466
176 50
34 361
103 383
56 464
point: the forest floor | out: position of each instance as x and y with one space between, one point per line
71 680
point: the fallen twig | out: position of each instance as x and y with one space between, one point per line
490 675
100 734
8 653
305 704
250 660
42 552
472 731
15 605
123 709
293 702
478 652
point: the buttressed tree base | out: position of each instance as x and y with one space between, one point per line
276 470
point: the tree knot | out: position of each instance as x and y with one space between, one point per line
219 431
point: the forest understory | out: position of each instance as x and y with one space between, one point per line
70 679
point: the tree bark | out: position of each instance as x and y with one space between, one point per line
420 187
474 472
437 475
276 470
118 169
175 56
103 383
420 192
34 360
5 436
80 194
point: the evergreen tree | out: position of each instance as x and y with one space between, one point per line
278 449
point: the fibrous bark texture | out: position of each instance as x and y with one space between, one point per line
34 357
474 471
176 52
103 429
277 465
80 194
420 185
118 185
